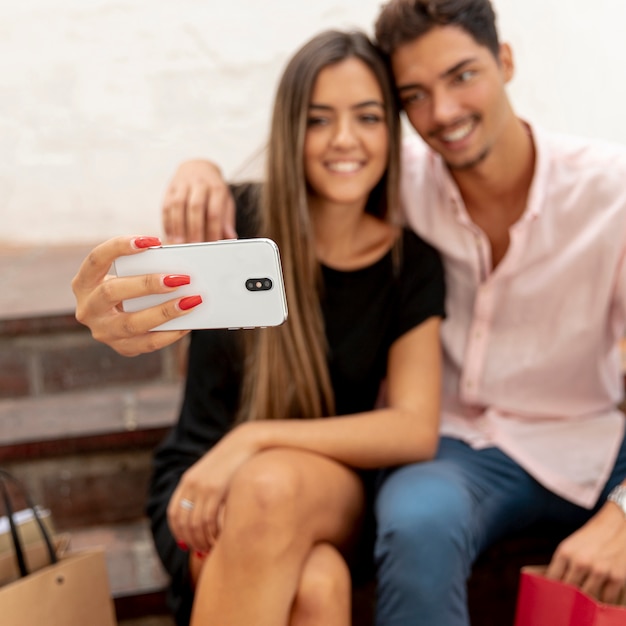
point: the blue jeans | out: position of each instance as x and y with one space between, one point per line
435 518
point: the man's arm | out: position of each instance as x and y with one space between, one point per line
198 205
594 557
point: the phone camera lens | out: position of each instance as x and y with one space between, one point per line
258 284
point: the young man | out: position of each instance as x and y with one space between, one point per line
532 229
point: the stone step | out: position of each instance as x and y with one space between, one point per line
35 280
43 349
78 422
51 355
98 419
86 456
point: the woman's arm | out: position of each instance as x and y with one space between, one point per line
405 431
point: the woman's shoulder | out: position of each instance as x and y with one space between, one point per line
413 244
421 264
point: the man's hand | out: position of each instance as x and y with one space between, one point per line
594 557
198 205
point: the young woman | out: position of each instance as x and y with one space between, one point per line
260 492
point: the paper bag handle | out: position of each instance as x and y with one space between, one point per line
17 543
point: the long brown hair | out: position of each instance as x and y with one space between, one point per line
285 368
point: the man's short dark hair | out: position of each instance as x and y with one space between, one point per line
403 21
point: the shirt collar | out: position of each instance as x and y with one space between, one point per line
536 194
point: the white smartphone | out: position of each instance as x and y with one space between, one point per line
240 281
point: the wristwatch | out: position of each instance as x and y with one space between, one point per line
618 495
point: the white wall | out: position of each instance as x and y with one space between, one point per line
100 99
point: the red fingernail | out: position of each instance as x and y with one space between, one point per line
189 302
182 545
176 280
146 242
201 555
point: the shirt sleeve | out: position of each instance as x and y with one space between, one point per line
421 284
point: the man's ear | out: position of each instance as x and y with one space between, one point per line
505 58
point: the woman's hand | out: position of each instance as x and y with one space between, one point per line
99 296
198 205
196 508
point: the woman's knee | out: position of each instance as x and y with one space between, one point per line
262 502
268 481
324 590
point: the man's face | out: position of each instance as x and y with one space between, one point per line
453 92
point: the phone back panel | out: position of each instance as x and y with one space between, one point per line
219 272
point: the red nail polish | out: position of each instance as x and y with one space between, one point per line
182 545
201 555
176 280
146 242
184 304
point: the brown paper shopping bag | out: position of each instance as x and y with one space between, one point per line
72 592
27 527
36 556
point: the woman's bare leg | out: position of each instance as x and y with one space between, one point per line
280 505
324 595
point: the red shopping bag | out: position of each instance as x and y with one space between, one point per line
545 602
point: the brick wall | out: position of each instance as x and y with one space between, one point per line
63 358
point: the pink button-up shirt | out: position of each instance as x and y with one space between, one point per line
531 348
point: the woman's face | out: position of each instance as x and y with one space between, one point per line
346 146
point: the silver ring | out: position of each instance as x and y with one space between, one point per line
187 504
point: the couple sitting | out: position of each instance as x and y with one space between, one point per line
258 516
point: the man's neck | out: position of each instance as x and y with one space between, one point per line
503 179
495 192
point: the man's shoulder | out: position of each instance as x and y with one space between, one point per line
577 173
583 152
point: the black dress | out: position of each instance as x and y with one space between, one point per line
364 311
